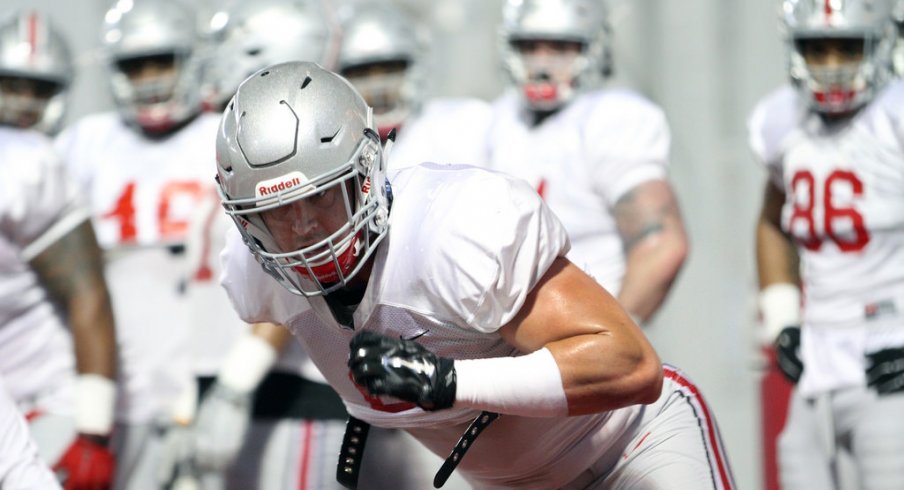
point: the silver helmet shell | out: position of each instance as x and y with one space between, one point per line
135 29
842 89
898 55
581 21
249 36
377 33
293 131
31 47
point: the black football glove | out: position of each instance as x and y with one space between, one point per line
402 369
787 349
885 370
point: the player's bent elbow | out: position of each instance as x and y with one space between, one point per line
649 375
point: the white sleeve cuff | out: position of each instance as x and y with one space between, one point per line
529 385
95 398
247 363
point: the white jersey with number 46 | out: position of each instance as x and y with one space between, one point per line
845 210
143 193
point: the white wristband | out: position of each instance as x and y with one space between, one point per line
185 405
247 363
95 398
779 306
529 385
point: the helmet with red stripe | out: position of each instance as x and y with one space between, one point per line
840 51
35 72
554 49
152 55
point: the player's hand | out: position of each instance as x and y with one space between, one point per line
885 370
787 349
402 369
87 464
176 468
221 426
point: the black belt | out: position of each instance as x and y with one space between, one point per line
355 437
289 396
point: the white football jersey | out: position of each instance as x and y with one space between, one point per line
845 211
38 205
20 465
215 326
444 130
142 195
582 160
465 247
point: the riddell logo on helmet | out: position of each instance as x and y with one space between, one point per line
281 184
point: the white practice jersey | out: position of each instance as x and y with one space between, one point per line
445 130
215 325
39 204
465 247
582 160
21 468
142 195
845 211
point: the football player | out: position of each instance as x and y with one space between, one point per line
53 297
285 423
385 56
598 156
831 142
440 297
144 170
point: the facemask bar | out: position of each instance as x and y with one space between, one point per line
347 249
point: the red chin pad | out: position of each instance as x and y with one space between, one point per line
835 97
541 92
152 123
327 273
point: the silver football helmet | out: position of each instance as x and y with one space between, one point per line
547 83
35 72
251 35
142 33
382 55
301 171
898 56
840 88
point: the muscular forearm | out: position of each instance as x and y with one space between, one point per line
600 373
72 272
575 376
776 257
655 243
777 270
651 269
